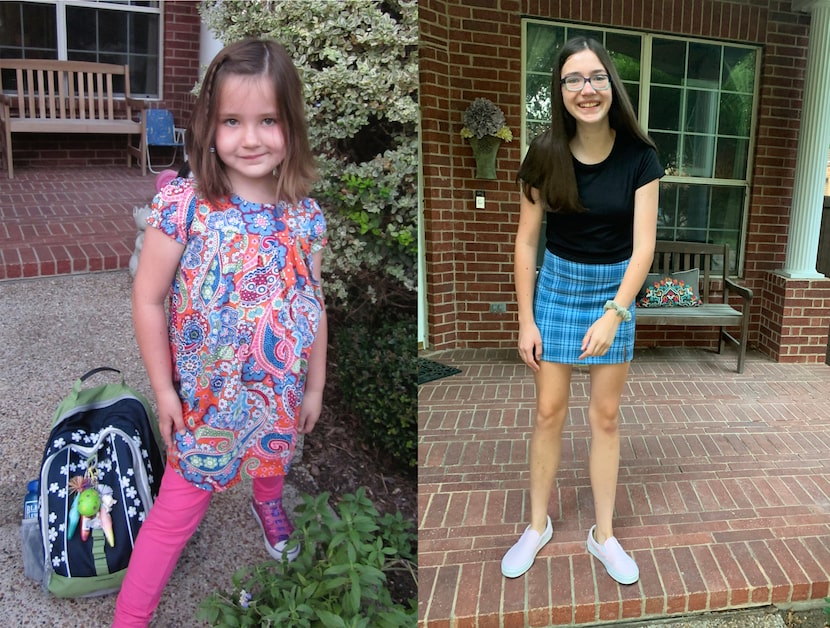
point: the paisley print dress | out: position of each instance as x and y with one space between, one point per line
244 311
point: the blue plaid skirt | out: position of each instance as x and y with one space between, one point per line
569 298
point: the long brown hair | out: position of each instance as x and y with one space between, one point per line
254 58
548 165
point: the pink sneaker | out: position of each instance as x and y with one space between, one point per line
276 528
619 565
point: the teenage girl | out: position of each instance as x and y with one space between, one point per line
238 366
595 175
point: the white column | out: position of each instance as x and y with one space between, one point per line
814 138
208 47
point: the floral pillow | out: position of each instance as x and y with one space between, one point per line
675 290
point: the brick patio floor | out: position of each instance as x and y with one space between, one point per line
57 221
723 498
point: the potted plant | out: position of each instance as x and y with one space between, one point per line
485 129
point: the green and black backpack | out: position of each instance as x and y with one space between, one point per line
100 473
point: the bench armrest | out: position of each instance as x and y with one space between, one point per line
137 103
742 291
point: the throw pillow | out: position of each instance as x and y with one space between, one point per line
675 290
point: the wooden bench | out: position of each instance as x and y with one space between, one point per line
52 96
715 288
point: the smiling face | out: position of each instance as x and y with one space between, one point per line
249 136
588 106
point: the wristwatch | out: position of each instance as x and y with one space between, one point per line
619 310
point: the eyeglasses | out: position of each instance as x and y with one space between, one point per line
576 83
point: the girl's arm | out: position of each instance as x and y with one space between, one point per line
160 256
312 404
601 334
524 272
645 234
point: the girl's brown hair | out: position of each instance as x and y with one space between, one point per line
548 165
254 58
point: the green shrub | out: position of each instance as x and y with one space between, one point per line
359 65
377 377
339 578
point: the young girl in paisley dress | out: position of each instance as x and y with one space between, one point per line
237 367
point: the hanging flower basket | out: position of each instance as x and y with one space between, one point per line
485 129
485 150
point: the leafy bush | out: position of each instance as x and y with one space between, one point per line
339 578
359 65
377 375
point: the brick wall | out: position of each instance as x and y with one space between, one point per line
180 72
471 49
796 327
181 58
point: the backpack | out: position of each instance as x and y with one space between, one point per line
100 473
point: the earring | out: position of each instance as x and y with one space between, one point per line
212 149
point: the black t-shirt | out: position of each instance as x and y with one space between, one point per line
604 234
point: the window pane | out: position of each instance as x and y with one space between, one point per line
542 43
727 206
112 31
735 114
727 217
538 97
698 156
664 108
39 33
574 31
701 111
667 147
633 91
693 212
667 211
144 33
81 32
703 65
731 158
11 28
739 70
668 62
28 31
625 52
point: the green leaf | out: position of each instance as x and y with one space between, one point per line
330 620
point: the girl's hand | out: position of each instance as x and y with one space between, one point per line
310 411
170 415
600 336
530 345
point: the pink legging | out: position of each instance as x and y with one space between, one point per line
172 520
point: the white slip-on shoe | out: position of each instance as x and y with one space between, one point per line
520 557
619 565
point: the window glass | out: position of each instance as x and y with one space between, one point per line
625 52
664 108
668 65
541 43
704 64
735 114
107 31
701 106
739 70
27 31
